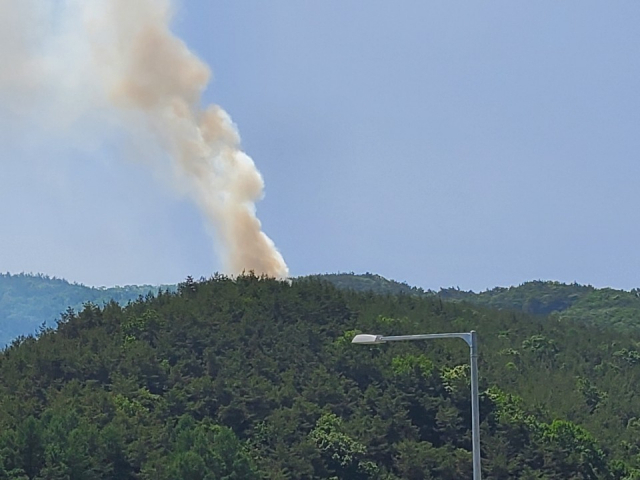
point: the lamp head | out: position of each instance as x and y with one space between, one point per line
367 339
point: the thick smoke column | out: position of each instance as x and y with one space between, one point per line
131 63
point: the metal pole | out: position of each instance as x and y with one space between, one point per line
472 340
475 407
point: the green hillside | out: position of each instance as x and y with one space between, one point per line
368 282
612 308
257 379
536 297
607 307
27 301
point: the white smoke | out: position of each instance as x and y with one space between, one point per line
117 62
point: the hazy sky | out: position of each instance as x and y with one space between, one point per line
469 144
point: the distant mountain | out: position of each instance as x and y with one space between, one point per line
606 307
536 297
27 301
368 282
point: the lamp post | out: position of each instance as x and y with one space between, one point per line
471 339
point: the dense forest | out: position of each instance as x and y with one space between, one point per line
607 307
27 301
368 282
257 379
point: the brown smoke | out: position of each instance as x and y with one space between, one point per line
140 66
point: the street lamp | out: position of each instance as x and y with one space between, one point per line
472 341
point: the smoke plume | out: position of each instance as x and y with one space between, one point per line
119 61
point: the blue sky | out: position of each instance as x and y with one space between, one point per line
438 143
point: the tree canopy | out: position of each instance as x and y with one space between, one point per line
257 378
28 301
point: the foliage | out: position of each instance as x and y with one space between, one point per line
569 302
609 307
368 282
256 378
536 297
29 301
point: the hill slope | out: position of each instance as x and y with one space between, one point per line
606 307
367 282
256 378
536 297
28 301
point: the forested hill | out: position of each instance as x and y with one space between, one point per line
258 379
536 297
607 307
26 301
368 282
